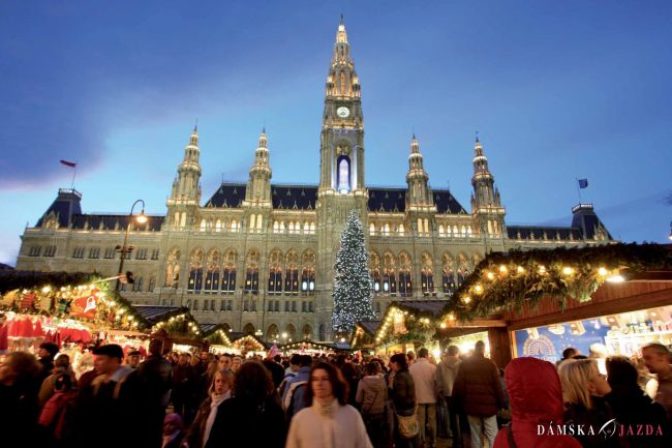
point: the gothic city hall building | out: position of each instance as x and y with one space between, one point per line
259 257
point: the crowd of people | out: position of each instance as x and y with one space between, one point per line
171 400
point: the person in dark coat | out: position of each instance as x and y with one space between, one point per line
19 410
631 406
276 370
147 389
46 353
535 398
584 389
253 417
478 392
102 409
403 397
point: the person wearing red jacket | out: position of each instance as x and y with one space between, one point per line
535 399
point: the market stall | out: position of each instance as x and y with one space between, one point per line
217 337
247 345
71 310
619 296
177 323
406 326
364 335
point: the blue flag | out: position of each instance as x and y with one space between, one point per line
583 183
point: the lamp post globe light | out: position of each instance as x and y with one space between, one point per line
125 248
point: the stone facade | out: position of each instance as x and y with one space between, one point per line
259 257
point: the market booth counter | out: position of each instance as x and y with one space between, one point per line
541 302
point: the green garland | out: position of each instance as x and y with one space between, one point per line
507 281
113 310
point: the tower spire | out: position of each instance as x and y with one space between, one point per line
258 191
185 195
485 201
419 194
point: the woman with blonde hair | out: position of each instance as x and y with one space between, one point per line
219 391
583 391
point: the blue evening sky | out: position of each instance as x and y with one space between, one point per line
557 89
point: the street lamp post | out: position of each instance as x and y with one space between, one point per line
124 248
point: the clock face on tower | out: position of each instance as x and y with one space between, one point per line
343 112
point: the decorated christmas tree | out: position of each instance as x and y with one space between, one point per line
352 284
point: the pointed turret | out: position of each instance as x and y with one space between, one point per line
419 194
258 191
186 192
486 204
483 181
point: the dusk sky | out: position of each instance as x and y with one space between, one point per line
558 90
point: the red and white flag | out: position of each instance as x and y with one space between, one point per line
68 163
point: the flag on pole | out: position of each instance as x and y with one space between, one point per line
68 163
583 183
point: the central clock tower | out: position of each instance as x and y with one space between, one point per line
342 187
342 137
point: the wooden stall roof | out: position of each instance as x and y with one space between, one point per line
649 290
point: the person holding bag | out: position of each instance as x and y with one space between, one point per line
406 428
371 397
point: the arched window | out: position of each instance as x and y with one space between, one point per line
308 273
173 268
462 269
292 272
252 272
307 332
218 225
272 334
389 274
427 274
212 274
204 225
448 274
405 269
372 229
374 269
401 230
252 221
343 174
291 332
195 283
442 230
275 272
228 281
248 329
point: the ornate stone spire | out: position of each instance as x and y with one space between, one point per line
419 194
258 190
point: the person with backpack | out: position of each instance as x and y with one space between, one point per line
55 413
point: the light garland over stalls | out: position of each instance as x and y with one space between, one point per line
94 303
253 342
217 336
507 281
306 345
180 324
